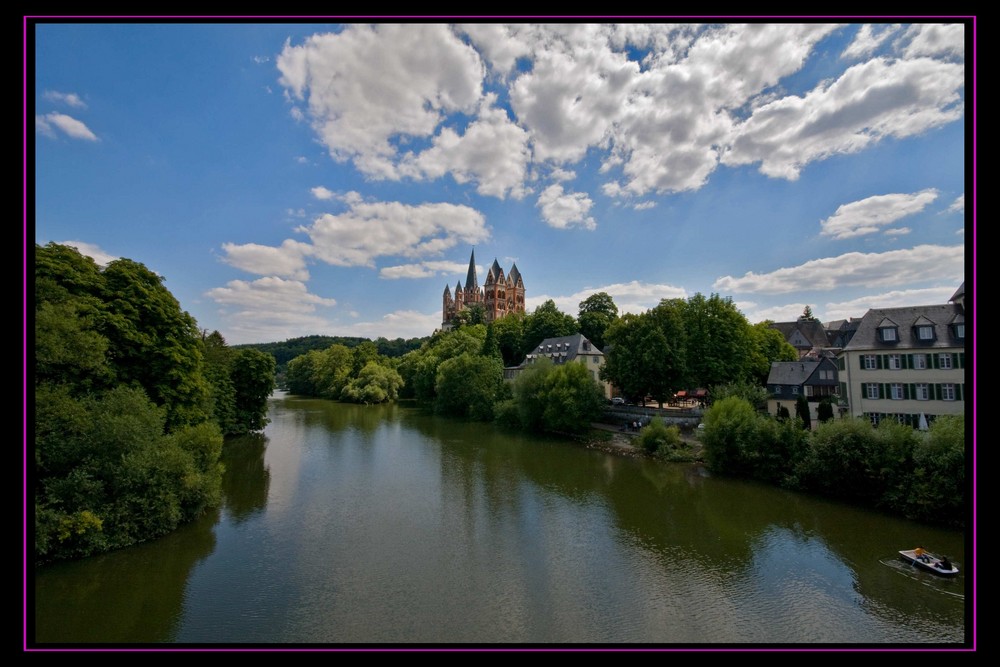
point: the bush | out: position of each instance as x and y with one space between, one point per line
658 438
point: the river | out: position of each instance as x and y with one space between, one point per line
346 524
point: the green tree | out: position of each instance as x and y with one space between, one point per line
824 411
252 378
597 313
572 399
509 331
767 346
718 342
730 436
468 386
807 315
938 489
802 412
376 383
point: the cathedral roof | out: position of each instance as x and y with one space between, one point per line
471 282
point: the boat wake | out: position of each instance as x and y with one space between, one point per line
938 584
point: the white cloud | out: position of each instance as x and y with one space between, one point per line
563 211
493 153
644 205
854 269
286 261
70 99
319 192
899 231
870 101
392 81
269 309
868 38
867 216
374 229
958 206
399 324
92 251
631 297
424 270
929 296
560 174
302 159
67 124
784 313
935 40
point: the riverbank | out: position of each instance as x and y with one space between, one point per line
611 440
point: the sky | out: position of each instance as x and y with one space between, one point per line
294 179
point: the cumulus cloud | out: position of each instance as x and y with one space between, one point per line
899 231
855 269
868 38
869 102
644 205
934 40
70 126
319 192
564 210
492 152
269 309
287 261
424 270
867 216
92 251
70 99
374 229
369 84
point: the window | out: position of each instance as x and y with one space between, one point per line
888 334
870 363
894 362
947 392
925 333
897 392
944 360
795 390
920 361
923 392
871 390
960 331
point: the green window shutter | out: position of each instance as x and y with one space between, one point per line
961 359
908 361
954 360
843 389
861 358
937 392
934 361
879 361
881 390
959 392
906 391
912 388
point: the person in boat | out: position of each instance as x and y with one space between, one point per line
921 554
944 564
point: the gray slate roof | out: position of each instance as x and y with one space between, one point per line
564 348
939 316
791 372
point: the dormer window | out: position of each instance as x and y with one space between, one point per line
959 328
925 333
889 334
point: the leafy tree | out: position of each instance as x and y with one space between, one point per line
646 353
844 461
781 447
783 414
807 315
252 378
491 348
718 342
597 313
767 345
658 438
376 383
938 489
529 393
509 332
572 399
473 314
802 412
419 368
622 364
824 411
218 373
468 386
753 394
730 436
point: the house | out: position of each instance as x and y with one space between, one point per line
906 364
815 380
807 336
563 350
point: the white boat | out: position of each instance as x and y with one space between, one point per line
929 562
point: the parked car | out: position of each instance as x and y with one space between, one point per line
617 400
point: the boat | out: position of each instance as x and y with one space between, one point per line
929 562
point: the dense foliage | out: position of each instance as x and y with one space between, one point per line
358 375
131 405
891 467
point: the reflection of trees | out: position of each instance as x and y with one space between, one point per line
246 481
131 595
335 416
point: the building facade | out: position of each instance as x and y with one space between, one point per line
816 380
500 295
906 364
565 350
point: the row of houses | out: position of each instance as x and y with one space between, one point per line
905 364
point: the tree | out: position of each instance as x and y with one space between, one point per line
718 342
252 378
376 383
802 412
807 315
824 411
597 313
468 386
730 436
767 346
509 332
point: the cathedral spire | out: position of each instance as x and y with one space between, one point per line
471 282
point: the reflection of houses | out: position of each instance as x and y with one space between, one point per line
788 380
906 362
566 349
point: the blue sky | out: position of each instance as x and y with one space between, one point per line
296 179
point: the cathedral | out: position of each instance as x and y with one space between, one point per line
499 296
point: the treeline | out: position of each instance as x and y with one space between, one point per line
132 403
892 467
285 351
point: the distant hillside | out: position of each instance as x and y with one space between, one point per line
286 351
